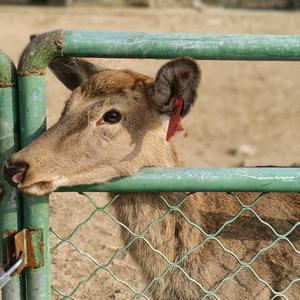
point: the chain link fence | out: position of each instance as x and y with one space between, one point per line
252 248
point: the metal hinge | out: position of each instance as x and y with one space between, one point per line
27 242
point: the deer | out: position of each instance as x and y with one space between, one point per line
113 125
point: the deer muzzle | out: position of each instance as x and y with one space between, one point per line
14 173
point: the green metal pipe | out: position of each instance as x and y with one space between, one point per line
10 206
170 45
32 102
8 75
202 180
39 53
35 209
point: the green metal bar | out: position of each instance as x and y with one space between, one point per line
32 101
8 77
35 209
10 206
202 180
170 45
39 53
32 96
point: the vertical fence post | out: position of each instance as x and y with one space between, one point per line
32 102
10 206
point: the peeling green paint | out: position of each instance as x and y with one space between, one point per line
171 45
40 52
8 74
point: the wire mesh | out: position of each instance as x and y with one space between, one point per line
251 251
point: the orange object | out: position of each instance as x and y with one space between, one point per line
175 120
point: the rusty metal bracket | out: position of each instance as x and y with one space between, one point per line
27 241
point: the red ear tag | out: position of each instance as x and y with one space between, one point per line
175 120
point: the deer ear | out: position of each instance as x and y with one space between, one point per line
179 78
73 71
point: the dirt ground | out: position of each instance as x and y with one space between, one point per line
247 113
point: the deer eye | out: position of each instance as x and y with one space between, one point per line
112 117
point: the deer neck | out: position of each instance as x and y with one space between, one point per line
138 210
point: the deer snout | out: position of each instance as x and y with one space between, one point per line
14 173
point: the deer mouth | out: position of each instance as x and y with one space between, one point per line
38 189
42 187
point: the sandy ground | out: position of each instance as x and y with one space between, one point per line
247 113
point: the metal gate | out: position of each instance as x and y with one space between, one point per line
10 207
33 214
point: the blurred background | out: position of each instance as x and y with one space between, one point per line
154 3
288 4
247 113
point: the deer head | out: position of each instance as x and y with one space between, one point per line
111 126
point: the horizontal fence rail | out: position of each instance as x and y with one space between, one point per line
45 47
202 180
169 45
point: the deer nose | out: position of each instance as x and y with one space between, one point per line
14 173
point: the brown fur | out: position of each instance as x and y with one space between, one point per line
74 151
110 82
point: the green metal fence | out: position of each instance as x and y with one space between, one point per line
35 210
10 206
